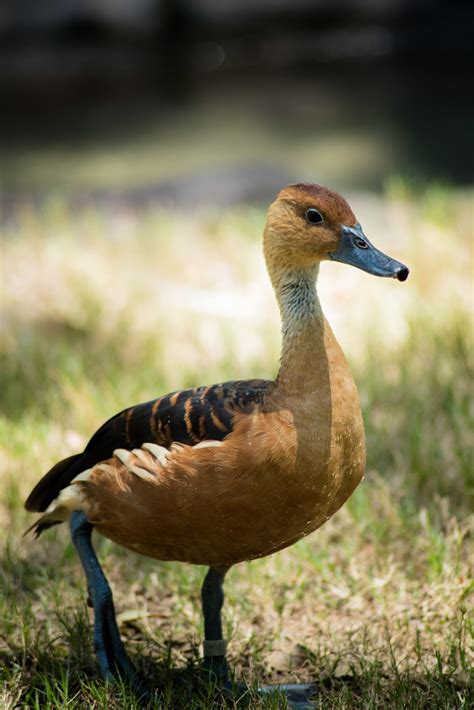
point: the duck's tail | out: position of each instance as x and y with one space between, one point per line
59 510
48 488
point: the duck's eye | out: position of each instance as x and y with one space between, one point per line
313 216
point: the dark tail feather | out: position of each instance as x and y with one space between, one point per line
48 488
40 526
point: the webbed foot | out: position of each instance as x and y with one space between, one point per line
298 695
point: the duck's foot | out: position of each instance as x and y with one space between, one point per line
298 695
214 661
111 655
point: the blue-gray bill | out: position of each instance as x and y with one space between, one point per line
356 250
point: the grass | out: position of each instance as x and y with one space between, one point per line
102 310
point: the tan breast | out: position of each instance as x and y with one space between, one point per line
329 445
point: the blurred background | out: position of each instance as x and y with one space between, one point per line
223 101
140 143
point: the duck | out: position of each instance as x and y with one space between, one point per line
222 474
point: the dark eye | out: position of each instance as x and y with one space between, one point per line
313 216
360 243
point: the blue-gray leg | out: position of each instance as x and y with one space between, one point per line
108 645
212 596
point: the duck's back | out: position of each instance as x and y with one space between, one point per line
186 417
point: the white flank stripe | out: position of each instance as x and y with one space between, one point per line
207 444
123 455
159 452
142 473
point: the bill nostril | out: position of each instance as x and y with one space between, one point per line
402 273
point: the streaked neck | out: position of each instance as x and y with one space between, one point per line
303 326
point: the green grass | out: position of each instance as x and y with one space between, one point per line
101 311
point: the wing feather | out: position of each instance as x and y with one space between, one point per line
186 417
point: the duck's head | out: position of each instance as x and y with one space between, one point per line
308 224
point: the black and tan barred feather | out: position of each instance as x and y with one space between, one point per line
187 416
194 415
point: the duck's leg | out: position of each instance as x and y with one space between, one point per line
212 596
111 654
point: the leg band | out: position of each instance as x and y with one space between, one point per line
215 648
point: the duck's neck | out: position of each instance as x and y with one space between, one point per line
303 356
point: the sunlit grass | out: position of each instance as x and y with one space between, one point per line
103 310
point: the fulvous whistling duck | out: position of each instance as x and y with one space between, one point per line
231 472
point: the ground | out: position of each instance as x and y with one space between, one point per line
105 308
